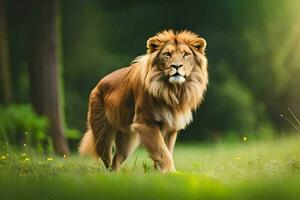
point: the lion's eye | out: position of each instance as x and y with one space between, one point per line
167 54
186 54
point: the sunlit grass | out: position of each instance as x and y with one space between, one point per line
245 170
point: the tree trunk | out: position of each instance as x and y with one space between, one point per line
5 79
44 72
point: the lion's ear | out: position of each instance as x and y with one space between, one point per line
153 44
199 44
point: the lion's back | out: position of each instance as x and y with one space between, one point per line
117 97
114 80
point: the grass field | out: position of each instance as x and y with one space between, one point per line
245 170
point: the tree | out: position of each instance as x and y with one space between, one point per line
44 71
5 79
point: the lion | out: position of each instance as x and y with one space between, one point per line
148 102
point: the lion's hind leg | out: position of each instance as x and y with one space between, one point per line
104 143
103 131
125 144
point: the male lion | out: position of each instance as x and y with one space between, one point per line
148 102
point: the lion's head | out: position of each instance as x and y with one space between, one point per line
175 68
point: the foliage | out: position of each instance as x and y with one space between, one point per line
72 134
245 170
232 105
19 124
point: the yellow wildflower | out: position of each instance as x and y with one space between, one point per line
49 159
238 158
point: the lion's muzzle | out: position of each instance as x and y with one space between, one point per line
176 76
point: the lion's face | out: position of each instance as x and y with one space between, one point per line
176 54
176 69
176 61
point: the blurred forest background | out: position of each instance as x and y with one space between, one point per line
52 53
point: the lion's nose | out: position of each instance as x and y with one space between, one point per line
176 65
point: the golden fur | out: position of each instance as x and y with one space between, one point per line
148 102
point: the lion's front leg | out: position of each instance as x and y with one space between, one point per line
153 141
170 140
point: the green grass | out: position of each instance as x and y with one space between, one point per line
246 170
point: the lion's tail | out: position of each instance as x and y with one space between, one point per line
87 145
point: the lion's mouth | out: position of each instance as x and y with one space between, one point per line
177 78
